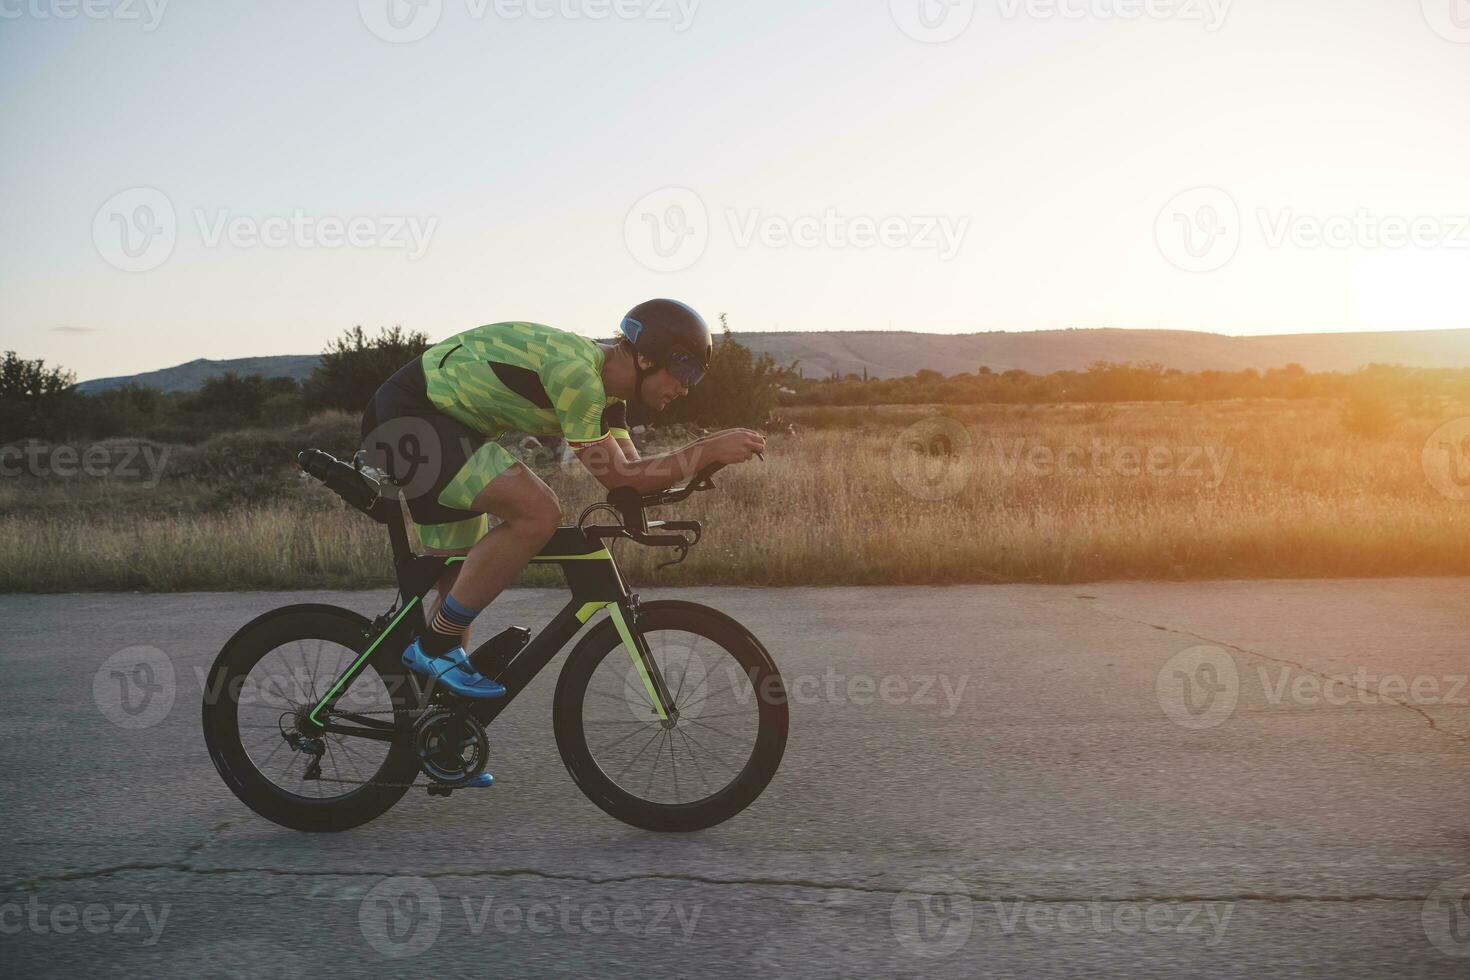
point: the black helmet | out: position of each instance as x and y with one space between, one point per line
672 336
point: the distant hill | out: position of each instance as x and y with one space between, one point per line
889 354
191 376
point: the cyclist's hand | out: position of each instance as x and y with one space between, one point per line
733 446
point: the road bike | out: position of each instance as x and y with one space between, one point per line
669 715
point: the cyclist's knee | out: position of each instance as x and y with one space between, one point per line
536 515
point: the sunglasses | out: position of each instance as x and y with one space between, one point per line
685 368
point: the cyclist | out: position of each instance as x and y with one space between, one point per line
432 427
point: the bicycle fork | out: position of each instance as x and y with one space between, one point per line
648 669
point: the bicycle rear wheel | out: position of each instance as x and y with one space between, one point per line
269 674
710 763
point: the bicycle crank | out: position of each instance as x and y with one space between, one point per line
452 749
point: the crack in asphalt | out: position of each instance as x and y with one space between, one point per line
185 867
31 884
214 832
1428 719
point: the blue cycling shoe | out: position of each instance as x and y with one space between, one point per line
453 671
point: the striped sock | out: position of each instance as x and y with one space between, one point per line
448 628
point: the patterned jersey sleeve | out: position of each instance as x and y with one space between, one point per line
577 397
615 421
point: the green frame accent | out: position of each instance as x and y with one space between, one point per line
356 667
588 610
636 655
595 583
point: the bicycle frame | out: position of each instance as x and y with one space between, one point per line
595 583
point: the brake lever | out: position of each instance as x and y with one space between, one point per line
683 553
661 540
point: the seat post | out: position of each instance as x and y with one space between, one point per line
398 531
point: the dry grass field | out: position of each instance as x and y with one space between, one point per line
993 493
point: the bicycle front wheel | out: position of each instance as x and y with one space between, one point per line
712 758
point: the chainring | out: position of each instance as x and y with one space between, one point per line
452 746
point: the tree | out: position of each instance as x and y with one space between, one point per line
229 401
34 400
355 365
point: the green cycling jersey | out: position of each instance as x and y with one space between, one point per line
524 377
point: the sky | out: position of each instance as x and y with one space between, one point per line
201 178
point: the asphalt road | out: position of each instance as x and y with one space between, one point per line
1132 780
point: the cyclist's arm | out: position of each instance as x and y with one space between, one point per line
612 467
615 420
580 402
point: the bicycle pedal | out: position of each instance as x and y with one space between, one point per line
483 781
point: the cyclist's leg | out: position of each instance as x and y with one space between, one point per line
444 583
430 455
494 483
529 513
